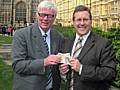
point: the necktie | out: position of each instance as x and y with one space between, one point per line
78 47
48 69
76 53
45 43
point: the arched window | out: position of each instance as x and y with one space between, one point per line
20 14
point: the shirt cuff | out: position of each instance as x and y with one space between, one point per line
80 70
63 77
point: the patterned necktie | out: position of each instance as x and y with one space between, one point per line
78 48
45 43
76 53
48 69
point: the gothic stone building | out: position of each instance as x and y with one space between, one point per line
18 12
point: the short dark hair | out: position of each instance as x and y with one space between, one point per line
82 8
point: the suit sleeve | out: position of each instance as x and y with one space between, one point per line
22 64
105 71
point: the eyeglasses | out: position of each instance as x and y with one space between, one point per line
43 15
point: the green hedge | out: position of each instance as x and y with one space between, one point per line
66 31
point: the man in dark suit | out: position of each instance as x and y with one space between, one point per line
34 55
94 67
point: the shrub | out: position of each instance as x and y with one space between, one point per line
66 31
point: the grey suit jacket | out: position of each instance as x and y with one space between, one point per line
28 59
98 60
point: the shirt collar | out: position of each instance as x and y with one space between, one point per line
84 36
42 32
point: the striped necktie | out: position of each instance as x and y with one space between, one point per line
45 43
78 48
48 69
76 53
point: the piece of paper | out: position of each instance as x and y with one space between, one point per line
65 58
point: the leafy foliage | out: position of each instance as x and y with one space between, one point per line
66 31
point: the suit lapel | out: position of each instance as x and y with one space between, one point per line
37 37
52 44
87 46
53 47
71 43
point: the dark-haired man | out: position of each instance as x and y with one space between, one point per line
92 66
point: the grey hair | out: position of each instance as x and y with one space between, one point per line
47 4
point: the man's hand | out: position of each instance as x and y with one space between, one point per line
52 59
75 64
64 68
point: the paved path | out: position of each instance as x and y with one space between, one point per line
114 88
5 53
8 62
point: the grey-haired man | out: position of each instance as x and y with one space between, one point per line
31 59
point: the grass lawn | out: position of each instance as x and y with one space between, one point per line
5 39
5 70
5 76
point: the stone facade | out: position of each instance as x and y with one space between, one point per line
17 12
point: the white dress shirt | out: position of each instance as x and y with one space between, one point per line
83 42
75 41
47 38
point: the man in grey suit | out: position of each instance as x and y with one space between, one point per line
34 55
94 67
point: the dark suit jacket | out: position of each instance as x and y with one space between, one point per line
98 60
28 59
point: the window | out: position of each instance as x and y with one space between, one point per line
20 12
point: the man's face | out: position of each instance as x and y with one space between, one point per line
45 18
82 22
